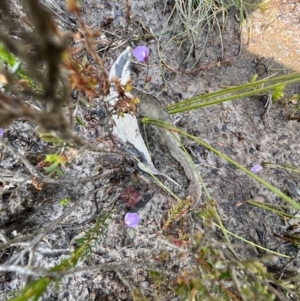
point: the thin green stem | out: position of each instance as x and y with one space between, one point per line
286 167
253 244
209 99
221 155
158 181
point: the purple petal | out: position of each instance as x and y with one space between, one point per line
132 220
256 168
1 132
141 53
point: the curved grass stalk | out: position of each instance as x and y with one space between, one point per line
253 84
282 166
253 244
222 95
221 155
202 183
158 181
272 208
216 214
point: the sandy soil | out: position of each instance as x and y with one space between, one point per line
235 128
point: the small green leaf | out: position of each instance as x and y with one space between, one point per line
50 138
6 56
64 201
254 78
60 172
86 103
51 168
278 92
15 68
79 121
52 158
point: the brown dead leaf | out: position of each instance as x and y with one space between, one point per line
37 185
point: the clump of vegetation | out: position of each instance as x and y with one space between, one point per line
191 26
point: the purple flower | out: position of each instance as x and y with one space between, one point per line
132 220
256 168
141 53
1 132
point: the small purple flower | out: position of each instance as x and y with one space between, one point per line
256 168
1 132
132 220
141 53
